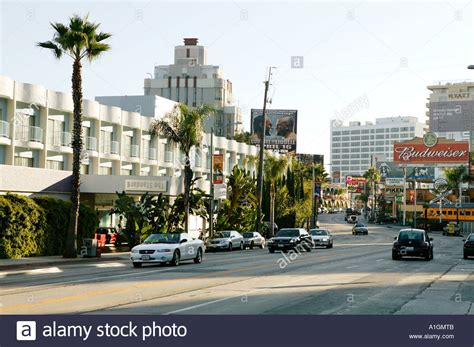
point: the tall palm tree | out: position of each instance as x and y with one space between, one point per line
321 177
183 126
455 177
373 176
79 39
274 169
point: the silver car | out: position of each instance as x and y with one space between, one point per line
321 237
228 240
253 239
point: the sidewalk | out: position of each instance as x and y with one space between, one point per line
39 262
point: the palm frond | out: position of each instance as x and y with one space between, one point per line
58 52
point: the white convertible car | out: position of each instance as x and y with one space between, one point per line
167 248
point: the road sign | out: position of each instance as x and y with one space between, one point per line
441 197
441 185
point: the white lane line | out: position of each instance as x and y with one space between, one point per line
203 304
380 260
352 267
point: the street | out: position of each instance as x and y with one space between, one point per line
357 276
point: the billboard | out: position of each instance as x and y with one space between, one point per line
280 129
389 169
452 115
218 168
355 184
436 151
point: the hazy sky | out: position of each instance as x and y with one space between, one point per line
374 58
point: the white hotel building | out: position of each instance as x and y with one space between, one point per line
119 153
354 147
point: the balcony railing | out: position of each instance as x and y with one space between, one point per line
152 153
114 147
4 129
91 143
168 156
134 151
29 133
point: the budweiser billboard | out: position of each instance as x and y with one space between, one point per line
431 151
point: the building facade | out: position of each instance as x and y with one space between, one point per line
356 146
192 81
119 153
450 110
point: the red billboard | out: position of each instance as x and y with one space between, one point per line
445 151
355 184
218 168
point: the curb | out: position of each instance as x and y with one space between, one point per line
30 266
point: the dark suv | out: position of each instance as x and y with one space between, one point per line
468 248
412 243
291 238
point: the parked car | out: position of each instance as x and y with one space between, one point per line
321 237
468 248
290 238
332 210
352 219
387 220
452 229
252 239
112 236
412 243
360 228
228 240
167 248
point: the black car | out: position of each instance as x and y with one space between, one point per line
360 228
387 219
468 249
412 243
291 239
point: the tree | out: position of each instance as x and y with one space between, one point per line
321 176
372 175
274 169
455 177
78 39
183 126
242 137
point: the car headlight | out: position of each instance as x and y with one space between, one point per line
270 241
134 250
293 240
325 239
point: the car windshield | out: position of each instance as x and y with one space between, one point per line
248 235
223 234
163 238
319 232
360 225
471 237
288 233
410 235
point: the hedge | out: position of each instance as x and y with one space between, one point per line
39 226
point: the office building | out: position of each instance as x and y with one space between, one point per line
192 81
356 146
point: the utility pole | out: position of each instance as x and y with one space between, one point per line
211 203
262 150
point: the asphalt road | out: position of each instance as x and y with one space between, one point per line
357 276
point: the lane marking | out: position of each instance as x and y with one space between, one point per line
352 267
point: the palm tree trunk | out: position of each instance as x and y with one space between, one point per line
272 209
71 243
188 177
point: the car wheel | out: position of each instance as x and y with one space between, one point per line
395 256
465 255
271 250
230 247
251 245
427 256
137 265
198 259
176 258
431 255
308 247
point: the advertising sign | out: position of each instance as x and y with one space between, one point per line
280 129
355 184
392 182
390 169
309 159
454 115
444 151
218 168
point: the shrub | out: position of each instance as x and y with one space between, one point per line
22 224
39 226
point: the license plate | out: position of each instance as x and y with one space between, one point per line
145 257
410 249
280 245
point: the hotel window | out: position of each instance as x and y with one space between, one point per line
355 132
25 162
104 170
54 165
378 131
334 133
84 169
336 139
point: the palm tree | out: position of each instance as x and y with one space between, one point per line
322 177
183 126
78 39
274 169
455 177
372 175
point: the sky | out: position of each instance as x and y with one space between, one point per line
360 60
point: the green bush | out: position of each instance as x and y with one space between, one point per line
38 226
22 225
